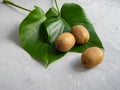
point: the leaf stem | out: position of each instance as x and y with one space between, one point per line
13 4
57 6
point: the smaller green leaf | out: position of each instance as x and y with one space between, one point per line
55 25
52 12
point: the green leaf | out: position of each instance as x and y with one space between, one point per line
32 40
52 12
73 14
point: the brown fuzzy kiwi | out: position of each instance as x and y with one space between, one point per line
92 57
80 33
65 42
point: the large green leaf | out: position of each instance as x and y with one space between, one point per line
32 39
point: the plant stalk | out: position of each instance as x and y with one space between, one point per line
57 6
13 4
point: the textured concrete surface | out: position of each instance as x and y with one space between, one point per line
18 71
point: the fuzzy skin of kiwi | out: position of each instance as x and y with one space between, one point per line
92 57
80 33
65 42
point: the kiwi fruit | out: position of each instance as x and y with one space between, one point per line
92 57
80 33
64 42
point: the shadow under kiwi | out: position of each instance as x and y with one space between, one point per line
78 66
